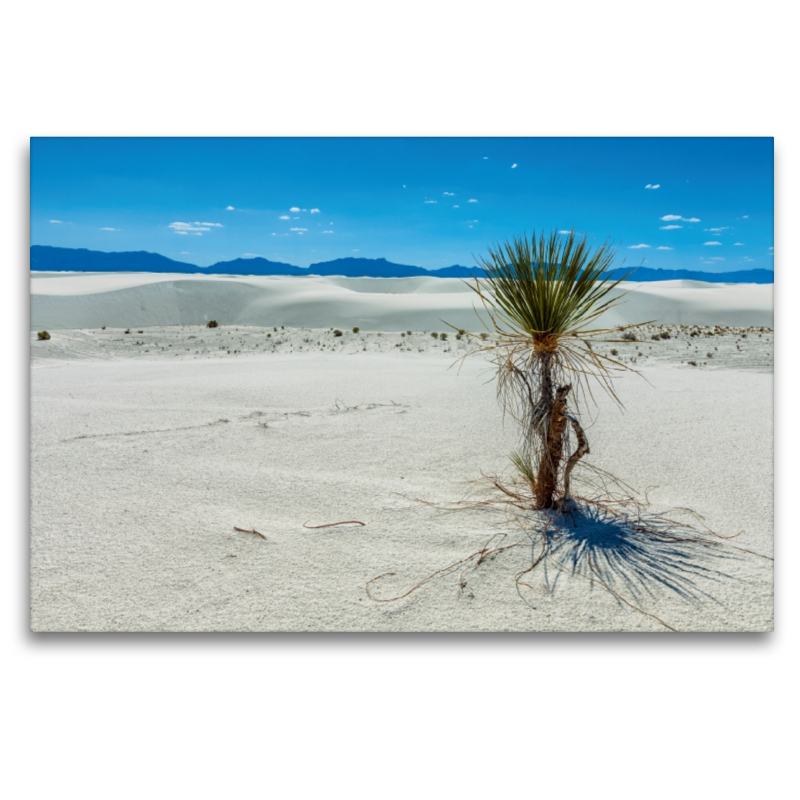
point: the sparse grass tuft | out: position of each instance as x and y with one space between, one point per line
42 335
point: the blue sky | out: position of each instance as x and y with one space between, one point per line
673 203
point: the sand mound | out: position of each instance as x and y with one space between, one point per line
389 304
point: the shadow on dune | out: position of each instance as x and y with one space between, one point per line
633 554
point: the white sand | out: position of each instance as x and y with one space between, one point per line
387 304
144 459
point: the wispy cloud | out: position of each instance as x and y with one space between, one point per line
298 230
746 216
473 200
738 244
314 211
565 233
354 250
653 186
430 201
230 208
637 246
185 253
661 247
712 243
716 230
327 231
456 206
514 166
675 217
294 209
284 216
56 222
252 255
670 227
109 229
194 228
449 194
717 258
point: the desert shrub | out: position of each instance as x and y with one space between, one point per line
337 332
629 336
212 323
408 333
458 336
435 335
693 363
656 336
709 355
42 335
461 332
615 352
665 335
103 328
356 329
139 331
443 336
127 330
484 336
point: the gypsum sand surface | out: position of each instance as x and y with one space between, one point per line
144 463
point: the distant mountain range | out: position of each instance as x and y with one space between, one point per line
65 259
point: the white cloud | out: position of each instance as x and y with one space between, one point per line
485 158
294 209
284 216
109 229
664 248
670 217
299 230
182 233
738 244
230 208
690 219
473 200
717 258
189 227
653 186
56 221
448 194
716 230
746 216
712 243
404 186
327 231
637 246
565 233
314 211
772 248
430 201
670 227
251 255
210 224
513 166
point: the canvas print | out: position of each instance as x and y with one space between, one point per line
401 384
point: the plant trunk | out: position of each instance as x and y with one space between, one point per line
552 445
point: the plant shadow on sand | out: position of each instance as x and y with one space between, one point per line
617 543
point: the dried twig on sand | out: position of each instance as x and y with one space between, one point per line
253 531
334 524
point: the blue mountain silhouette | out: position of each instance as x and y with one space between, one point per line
65 259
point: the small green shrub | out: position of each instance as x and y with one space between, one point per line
614 352
337 332
127 330
435 335
461 332
443 336
629 336
212 323
458 336
356 329
408 333
484 336
665 335
43 335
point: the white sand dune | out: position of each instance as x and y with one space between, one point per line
148 449
90 300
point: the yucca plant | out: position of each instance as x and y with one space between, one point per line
541 296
